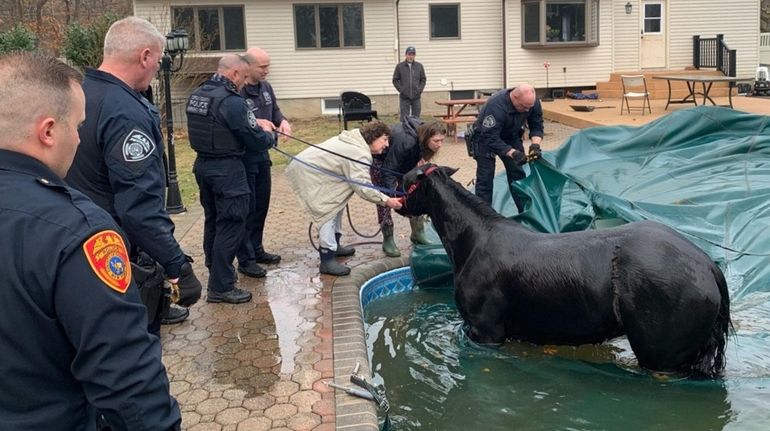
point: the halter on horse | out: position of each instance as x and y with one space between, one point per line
643 280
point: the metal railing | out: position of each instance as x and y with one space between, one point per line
713 52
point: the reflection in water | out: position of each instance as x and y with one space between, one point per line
437 379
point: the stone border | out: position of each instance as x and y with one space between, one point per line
349 343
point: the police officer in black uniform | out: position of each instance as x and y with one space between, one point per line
221 129
261 101
72 326
119 163
499 130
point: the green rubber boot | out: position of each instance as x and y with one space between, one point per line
343 250
388 243
418 231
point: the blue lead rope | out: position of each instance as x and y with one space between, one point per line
384 190
368 165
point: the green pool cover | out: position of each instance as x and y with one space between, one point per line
703 171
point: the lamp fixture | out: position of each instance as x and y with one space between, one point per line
629 7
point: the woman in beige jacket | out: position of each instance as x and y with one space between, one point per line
326 188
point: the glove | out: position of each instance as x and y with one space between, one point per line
189 285
534 152
519 157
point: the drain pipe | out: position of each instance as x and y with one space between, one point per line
505 53
398 33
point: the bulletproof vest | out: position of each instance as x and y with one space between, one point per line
208 134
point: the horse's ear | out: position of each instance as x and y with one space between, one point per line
448 171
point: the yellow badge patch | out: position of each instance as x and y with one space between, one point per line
107 255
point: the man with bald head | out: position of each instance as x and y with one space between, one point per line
221 129
72 324
120 164
499 131
262 102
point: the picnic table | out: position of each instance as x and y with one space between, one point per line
454 112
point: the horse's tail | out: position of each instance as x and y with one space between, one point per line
710 360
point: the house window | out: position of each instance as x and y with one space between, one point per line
558 23
444 21
212 28
329 25
330 106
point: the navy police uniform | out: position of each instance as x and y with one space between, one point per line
498 128
72 325
260 98
120 166
221 129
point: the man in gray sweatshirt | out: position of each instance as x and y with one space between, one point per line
409 79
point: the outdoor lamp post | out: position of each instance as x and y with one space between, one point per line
177 42
629 7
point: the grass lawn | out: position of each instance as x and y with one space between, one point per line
313 130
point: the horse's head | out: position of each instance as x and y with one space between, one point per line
414 201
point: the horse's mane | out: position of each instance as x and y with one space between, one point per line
465 197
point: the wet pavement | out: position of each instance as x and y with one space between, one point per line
262 365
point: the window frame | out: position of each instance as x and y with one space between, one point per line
592 8
459 22
221 14
340 24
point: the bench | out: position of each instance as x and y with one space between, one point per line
451 123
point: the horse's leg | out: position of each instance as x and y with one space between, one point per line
482 310
664 304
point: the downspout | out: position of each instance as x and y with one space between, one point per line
398 34
505 52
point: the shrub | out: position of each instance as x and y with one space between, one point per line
19 38
84 44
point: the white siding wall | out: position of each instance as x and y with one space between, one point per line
626 40
738 20
585 65
473 62
297 73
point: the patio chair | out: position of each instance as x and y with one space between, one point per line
355 106
635 87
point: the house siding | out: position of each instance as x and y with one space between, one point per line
738 20
472 62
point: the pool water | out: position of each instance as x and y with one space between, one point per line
437 379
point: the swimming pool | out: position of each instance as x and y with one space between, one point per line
437 379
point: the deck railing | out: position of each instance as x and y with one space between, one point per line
764 48
713 52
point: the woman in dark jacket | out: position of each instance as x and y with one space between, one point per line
412 143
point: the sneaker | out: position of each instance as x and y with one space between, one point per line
173 315
252 270
233 296
268 258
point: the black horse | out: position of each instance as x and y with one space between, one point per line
641 279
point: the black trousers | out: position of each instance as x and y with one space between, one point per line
485 174
224 196
260 186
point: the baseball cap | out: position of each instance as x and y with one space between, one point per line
411 50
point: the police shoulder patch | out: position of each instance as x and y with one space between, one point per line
106 254
489 121
137 146
252 120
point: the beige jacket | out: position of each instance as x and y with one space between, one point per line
322 195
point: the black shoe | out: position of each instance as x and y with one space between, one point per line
234 296
173 315
252 270
268 258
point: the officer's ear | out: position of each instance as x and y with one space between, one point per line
45 131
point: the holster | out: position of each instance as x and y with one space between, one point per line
148 276
471 143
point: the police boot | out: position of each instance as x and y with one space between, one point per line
172 314
418 231
341 250
388 243
329 264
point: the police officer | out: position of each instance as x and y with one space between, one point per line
119 163
71 322
261 101
499 130
221 128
